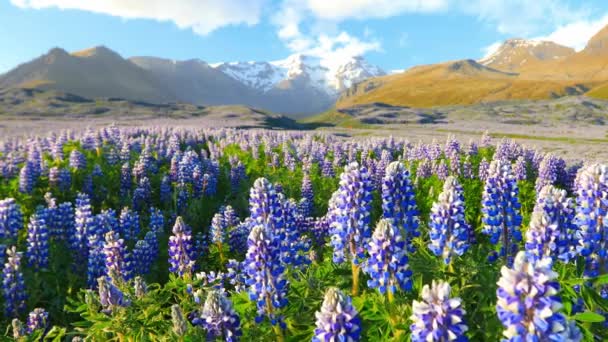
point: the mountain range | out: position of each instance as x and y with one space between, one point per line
302 85
518 70
298 85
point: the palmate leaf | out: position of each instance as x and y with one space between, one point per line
589 317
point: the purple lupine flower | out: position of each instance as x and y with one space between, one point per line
129 224
218 229
528 305
152 239
142 257
13 285
501 210
552 230
197 182
467 168
520 169
308 195
110 296
37 320
142 194
350 228
486 140
327 169
424 169
441 170
337 320
399 202
65 180
64 216
181 259
11 219
182 198
547 172
118 265
87 186
237 175
230 217
54 177
265 275
265 205
26 178
218 318
387 265
438 317
472 149
591 211
484 169
449 231
77 160
125 180
37 253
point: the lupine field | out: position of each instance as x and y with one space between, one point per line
160 234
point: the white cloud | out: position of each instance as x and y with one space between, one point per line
522 17
362 9
576 34
201 16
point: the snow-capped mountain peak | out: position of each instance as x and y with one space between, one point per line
264 76
514 53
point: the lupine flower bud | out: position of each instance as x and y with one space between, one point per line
179 323
528 305
449 231
218 228
110 296
438 317
338 319
140 287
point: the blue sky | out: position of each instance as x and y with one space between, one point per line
393 34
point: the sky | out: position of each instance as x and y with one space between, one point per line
393 34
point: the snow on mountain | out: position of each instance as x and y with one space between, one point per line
265 76
514 53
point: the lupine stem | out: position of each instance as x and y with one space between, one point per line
355 269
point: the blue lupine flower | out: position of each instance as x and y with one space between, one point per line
520 169
294 247
547 172
484 169
65 220
157 221
37 253
552 230
129 224
387 265
84 223
152 239
528 304
37 320
399 202
438 317
501 209
142 257
338 319
230 217
181 260
110 296
449 231
351 217
218 318
264 204
13 285
265 275
237 237
96 266
165 190
118 265
591 210
26 178
11 219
